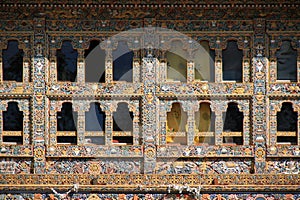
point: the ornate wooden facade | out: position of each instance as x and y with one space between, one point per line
263 164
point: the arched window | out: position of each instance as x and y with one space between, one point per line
13 122
286 62
232 58
94 63
66 123
95 122
66 62
287 125
205 63
205 124
233 125
176 62
176 125
122 125
122 62
13 62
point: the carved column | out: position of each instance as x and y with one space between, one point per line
149 106
80 66
246 61
108 61
53 62
163 71
218 61
108 127
24 107
136 129
81 107
260 69
136 71
219 108
190 71
53 123
274 108
190 108
163 123
246 123
38 100
273 71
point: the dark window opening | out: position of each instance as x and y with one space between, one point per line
12 118
13 121
205 122
66 62
94 63
66 121
123 118
122 63
286 62
13 139
123 121
176 122
67 139
205 63
287 122
13 62
95 121
233 123
95 118
232 62
176 62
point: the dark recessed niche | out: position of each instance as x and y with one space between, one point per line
12 62
95 118
286 62
67 62
122 62
176 62
94 63
66 118
232 58
12 118
233 122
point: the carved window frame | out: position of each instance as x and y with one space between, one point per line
23 105
24 43
275 42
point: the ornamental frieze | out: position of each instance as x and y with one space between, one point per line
173 151
169 89
96 151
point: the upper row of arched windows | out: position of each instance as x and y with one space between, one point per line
176 58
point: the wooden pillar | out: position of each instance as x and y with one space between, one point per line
108 127
53 123
38 99
260 71
149 104
82 108
136 120
80 67
219 107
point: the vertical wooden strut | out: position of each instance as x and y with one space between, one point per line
38 100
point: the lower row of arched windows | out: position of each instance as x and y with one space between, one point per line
176 126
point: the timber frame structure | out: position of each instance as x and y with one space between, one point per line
150 168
